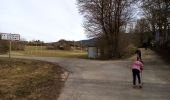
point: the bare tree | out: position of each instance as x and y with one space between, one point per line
142 31
105 18
158 13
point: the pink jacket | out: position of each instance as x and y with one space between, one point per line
137 65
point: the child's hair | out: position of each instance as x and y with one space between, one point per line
138 59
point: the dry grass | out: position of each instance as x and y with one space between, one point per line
27 79
42 51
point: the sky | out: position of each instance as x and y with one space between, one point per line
46 20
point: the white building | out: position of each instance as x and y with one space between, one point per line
7 36
15 37
93 52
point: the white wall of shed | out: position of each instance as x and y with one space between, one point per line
92 52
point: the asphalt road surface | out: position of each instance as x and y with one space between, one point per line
112 80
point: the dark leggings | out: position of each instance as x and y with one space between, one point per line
136 73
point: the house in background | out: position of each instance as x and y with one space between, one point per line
8 36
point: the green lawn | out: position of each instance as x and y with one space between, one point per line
28 79
42 51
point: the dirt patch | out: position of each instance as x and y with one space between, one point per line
30 80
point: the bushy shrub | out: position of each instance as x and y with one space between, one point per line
129 50
4 46
51 47
127 45
17 45
59 46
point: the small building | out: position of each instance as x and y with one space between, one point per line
93 52
15 37
91 49
8 36
5 36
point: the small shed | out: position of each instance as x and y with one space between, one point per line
92 48
93 52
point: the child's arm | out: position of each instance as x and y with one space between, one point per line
142 66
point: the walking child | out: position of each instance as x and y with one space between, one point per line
137 68
138 54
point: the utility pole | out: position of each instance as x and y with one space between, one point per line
9 49
10 46
35 47
74 45
40 48
81 47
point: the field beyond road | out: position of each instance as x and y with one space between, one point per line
42 51
28 79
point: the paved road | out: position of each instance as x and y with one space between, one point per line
111 80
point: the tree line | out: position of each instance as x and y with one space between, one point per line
107 21
157 15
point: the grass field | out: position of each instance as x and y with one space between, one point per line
27 79
42 51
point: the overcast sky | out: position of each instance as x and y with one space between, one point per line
47 20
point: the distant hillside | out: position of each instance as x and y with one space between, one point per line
89 42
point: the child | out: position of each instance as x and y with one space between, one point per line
137 67
138 53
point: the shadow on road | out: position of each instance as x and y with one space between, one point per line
164 54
